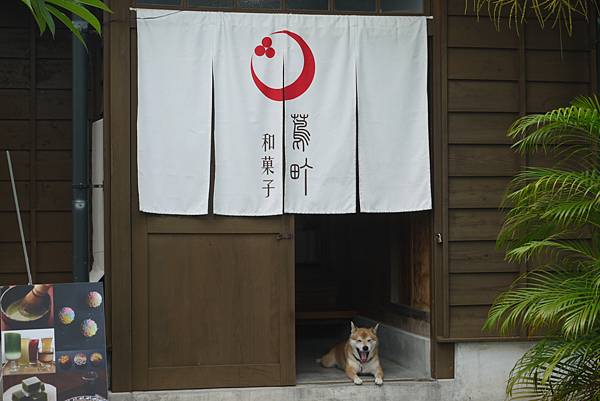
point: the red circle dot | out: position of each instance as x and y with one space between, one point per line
259 50
266 41
270 52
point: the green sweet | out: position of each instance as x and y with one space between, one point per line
32 385
19 395
41 396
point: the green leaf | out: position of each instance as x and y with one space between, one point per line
37 15
28 4
558 369
67 22
47 17
553 224
559 12
97 4
80 11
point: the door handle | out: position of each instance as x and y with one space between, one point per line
284 236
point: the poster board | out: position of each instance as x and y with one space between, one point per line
53 342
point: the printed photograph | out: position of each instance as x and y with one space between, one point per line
28 352
79 316
81 373
66 359
29 388
24 307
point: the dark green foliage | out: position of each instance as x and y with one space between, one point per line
554 226
46 11
557 13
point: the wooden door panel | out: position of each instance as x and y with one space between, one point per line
213 224
213 299
190 377
212 307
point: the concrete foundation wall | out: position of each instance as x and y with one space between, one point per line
481 371
409 350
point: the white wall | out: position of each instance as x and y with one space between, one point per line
97 200
481 370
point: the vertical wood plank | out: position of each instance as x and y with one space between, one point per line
442 355
523 109
141 292
593 29
106 160
287 341
117 98
32 152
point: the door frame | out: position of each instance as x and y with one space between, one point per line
442 353
118 194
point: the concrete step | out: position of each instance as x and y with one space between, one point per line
480 372
425 390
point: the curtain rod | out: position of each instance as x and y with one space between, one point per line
429 17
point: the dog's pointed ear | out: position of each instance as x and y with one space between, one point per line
375 328
352 326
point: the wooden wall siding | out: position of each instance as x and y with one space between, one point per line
492 78
35 112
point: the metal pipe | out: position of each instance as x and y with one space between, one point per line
18 210
81 153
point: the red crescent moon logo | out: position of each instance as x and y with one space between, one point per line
300 85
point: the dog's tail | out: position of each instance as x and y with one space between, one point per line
327 360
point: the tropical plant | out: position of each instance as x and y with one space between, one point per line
46 11
557 12
553 225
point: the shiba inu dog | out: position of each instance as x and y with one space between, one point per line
357 355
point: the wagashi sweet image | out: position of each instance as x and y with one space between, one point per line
66 315
80 359
96 359
89 328
32 389
94 299
65 361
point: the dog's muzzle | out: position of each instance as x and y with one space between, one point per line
363 355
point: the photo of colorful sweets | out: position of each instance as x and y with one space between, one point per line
53 342
31 389
29 351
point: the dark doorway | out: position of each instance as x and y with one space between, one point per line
367 268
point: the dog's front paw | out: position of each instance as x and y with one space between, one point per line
379 381
357 380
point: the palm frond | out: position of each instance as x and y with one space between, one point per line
45 11
551 297
554 248
555 369
587 102
554 183
559 13
554 217
549 204
575 130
